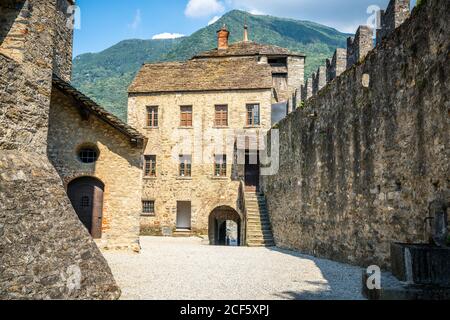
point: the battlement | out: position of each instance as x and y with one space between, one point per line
358 47
365 145
337 64
319 79
396 13
307 90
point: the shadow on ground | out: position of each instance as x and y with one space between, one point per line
338 277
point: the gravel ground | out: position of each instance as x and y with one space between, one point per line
188 269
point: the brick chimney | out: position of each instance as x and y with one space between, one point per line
222 38
245 33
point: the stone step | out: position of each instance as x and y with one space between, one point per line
182 234
260 244
257 213
259 226
260 236
258 219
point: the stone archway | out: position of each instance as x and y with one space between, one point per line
86 196
224 227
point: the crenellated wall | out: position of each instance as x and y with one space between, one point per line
337 65
319 79
361 162
359 46
390 19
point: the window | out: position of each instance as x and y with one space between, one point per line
150 166
85 202
277 62
148 207
88 154
221 118
186 116
185 165
253 114
220 165
152 117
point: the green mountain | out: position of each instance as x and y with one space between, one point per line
105 76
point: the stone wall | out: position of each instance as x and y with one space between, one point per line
319 79
296 73
337 65
62 62
45 251
359 46
205 191
360 164
396 13
118 159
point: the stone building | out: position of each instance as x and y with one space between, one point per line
201 117
287 68
99 160
46 253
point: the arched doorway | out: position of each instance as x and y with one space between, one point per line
86 195
224 227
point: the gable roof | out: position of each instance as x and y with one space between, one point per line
247 48
202 75
101 113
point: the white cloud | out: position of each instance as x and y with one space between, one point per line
137 20
213 20
257 12
343 15
167 35
203 8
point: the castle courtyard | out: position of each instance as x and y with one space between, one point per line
189 268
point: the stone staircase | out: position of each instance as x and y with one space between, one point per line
182 233
259 230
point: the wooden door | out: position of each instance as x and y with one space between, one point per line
86 196
251 171
183 215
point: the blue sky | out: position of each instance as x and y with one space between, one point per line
103 23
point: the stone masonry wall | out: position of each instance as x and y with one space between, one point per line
62 62
358 47
118 158
360 164
45 251
205 191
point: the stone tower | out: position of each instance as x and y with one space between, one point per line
46 253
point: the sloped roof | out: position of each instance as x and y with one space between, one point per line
247 48
202 75
101 113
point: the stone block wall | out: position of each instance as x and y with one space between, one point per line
62 61
45 251
296 73
358 47
396 13
337 65
319 79
118 158
205 191
360 164
307 90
